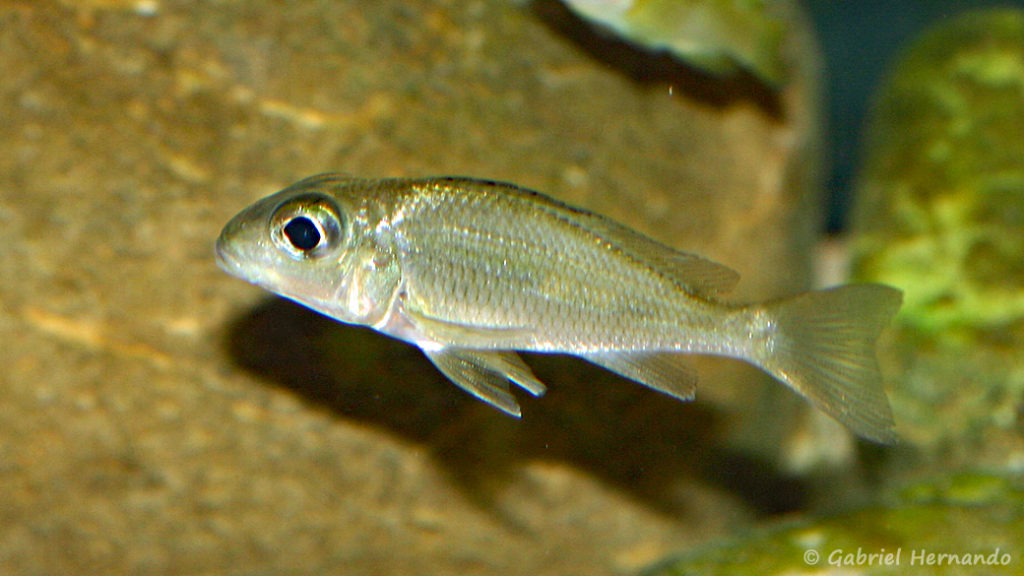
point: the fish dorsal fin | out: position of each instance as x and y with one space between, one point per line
704 277
699 275
486 375
662 371
694 273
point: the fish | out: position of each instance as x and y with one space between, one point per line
474 271
721 38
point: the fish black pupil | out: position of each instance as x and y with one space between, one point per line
302 233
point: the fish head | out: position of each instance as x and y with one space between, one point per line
304 243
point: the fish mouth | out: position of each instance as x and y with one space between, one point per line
227 260
238 263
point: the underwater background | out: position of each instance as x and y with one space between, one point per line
158 416
860 45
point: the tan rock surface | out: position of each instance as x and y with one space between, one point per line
157 419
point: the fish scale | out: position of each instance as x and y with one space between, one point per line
550 295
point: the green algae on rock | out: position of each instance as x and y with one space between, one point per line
940 214
941 207
718 36
950 525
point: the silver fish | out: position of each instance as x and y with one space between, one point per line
470 271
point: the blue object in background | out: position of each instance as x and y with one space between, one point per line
861 41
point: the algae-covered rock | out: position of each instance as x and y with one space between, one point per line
940 214
719 36
964 524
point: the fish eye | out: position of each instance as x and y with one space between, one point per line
302 233
307 227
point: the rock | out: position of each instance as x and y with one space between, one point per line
981 532
158 418
940 214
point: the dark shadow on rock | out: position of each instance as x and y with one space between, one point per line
760 486
350 371
658 68
643 442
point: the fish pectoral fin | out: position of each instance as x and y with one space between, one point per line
486 374
460 335
662 371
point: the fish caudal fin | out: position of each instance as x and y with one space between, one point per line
823 346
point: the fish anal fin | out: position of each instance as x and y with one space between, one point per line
662 371
486 374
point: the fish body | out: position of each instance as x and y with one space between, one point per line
719 37
471 271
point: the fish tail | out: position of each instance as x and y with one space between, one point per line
822 344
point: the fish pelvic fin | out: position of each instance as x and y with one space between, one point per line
486 374
822 344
